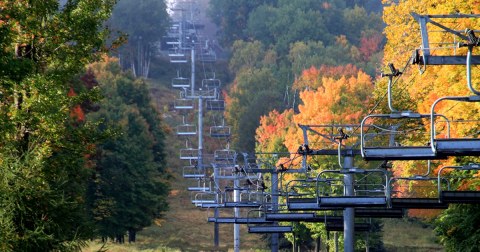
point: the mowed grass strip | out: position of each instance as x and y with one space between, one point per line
409 235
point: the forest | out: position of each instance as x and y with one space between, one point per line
87 125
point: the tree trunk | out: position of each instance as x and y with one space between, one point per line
335 237
132 235
317 244
120 238
294 245
147 63
133 69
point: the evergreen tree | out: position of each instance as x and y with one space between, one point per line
129 189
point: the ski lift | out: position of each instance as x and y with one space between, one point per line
202 186
447 146
183 103
426 57
208 56
386 144
206 197
189 154
457 196
265 228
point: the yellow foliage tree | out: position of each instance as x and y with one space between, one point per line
424 87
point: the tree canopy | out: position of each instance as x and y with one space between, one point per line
47 143
285 38
144 23
43 167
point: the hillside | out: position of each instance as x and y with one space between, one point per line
185 228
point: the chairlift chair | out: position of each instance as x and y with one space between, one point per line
204 93
183 103
204 198
180 82
220 131
457 196
224 171
238 220
211 83
189 154
193 172
426 57
453 146
253 196
186 130
351 200
216 105
389 149
270 229
224 155
413 201
177 56
207 56
203 185
265 228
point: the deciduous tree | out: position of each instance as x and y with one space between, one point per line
145 23
43 169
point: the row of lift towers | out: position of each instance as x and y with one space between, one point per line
343 197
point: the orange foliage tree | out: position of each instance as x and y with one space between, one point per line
329 98
270 135
312 77
336 100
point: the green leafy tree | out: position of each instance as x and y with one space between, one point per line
232 17
43 150
255 94
292 21
145 23
458 228
289 22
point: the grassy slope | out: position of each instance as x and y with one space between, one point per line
404 235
